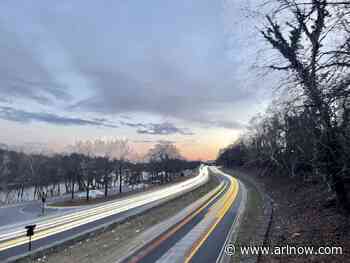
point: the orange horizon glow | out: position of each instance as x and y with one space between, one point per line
204 147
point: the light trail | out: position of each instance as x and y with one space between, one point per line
48 227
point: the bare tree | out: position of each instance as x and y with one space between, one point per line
302 32
116 150
160 156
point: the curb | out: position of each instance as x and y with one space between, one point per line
264 228
268 214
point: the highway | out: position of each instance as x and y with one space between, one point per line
201 236
198 237
13 240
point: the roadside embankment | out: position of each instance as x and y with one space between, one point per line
302 217
256 218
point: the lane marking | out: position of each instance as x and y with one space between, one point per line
168 234
70 221
235 224
231 196
69 217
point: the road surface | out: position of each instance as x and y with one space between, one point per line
49 231
198 237
30 210
201 236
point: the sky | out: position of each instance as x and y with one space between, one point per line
148 71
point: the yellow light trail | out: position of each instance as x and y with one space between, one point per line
227 201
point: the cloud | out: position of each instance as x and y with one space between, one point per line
165 128
23 76
177 97
63 56
12 114
228 124
133 125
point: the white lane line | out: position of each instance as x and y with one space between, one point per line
177 253
83 217
86 213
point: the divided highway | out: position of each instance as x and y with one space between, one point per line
202 235
199 237
13 240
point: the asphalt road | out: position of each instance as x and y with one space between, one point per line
30 210
205 249
210 250
18 213
13 241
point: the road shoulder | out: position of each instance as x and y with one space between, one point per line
256 218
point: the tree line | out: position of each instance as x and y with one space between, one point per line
83 170
305 133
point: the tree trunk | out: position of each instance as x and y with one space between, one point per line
106 187
67 188
22 190
35 191
72 190
87 191
120 179
341 193
334 167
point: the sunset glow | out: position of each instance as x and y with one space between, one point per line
136 72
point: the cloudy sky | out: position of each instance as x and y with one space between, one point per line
148 71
